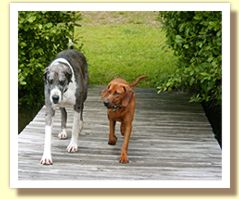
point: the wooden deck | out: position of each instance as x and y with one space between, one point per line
172 140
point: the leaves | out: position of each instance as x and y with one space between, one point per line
178 39
31 19
196 39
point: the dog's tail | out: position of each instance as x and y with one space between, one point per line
70 44
135 82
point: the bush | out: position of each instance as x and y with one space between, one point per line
196 39
41 35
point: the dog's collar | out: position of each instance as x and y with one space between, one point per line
116 107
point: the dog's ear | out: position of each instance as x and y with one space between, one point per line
46 72
68 74
127 96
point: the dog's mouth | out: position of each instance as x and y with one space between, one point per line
114 107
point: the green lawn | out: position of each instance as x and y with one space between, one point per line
125 44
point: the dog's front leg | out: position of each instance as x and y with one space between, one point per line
124 149
63 133
76 129
46 157
112 137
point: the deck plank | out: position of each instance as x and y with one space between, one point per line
172 140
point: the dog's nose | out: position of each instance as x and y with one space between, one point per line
106 103
55 99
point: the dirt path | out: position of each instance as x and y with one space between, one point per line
115 18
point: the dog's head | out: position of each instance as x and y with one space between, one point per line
117 95
57 78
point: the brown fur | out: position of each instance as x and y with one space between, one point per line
119 98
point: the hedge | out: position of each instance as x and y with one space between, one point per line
196 37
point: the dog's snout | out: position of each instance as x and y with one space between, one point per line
106 103
55 99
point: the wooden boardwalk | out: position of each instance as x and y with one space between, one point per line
172 140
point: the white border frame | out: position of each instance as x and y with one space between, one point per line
224 7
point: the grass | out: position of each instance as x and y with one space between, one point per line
125 44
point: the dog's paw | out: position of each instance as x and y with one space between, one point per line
62 135
46 160
124 158
112 140
72 147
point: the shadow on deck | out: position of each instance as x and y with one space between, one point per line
172 140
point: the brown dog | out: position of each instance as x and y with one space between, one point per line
119 98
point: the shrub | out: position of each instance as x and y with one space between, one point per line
41 35
196 39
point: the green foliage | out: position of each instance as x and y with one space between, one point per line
196 38
41 35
